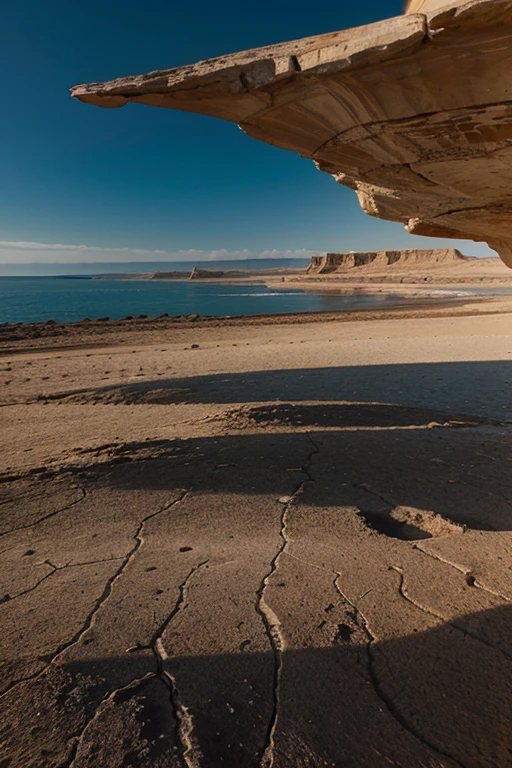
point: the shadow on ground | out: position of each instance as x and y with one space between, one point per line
476 388
373 457
434 698
333 694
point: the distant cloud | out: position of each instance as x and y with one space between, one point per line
28 253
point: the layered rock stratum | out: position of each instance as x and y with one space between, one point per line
413 113
328 263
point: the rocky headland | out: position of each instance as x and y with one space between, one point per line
440 266
340 271
412 113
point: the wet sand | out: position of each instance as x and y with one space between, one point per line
258 541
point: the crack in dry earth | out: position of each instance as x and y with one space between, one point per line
89 621
48 516
376 684
466 572
271 620
78 739
402 589
184 724
55 569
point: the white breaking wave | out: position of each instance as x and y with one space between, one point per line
278 293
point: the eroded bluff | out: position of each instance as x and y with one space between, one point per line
413 113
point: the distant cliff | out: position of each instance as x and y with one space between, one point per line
329 263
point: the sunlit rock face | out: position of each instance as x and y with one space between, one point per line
330 263
413 113
422 6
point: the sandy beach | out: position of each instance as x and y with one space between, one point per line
265 541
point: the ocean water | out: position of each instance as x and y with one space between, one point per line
37 299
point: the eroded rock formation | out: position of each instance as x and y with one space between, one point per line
413 113
332 262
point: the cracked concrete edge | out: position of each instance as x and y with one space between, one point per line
261 90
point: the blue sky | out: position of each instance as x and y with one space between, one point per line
128 182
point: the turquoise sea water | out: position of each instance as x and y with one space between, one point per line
37 299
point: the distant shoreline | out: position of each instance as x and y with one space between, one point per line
334 283
349 272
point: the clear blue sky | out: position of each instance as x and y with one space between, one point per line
142 178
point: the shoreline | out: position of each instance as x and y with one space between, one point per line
337 282
52 334
426 282
341 285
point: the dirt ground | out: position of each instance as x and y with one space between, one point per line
260 542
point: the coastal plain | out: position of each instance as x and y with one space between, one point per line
266 542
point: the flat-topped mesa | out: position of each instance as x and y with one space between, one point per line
413 113
329 263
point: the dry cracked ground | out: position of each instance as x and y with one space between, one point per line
281 581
